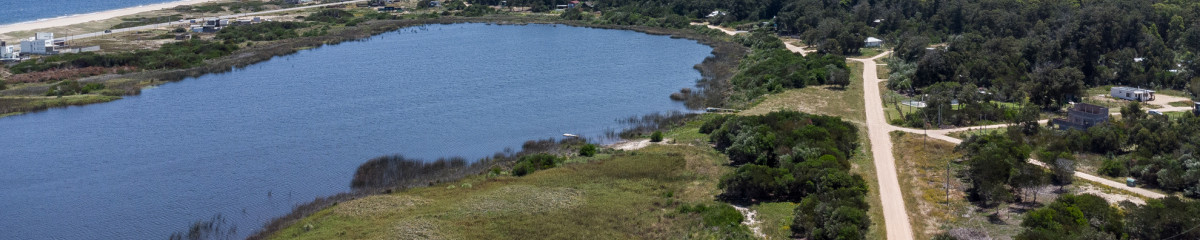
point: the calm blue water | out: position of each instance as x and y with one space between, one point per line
13 11
252 143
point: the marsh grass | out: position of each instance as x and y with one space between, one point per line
629 196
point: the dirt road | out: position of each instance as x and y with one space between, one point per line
894 215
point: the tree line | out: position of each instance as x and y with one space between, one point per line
1043 51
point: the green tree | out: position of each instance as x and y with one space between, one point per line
1074 217
588 150
657 136
1170 217
993 161
837 76
1132 112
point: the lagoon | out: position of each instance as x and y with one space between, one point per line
252 143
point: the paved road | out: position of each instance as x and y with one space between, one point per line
187 23
894 215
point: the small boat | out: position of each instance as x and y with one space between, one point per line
569 135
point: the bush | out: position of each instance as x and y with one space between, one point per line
532 163
719 215
656 137
330 16
1113 168
588 150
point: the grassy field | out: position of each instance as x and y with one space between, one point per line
921 165
890 100
776 219
632 195
869 52
1181 104
882 71
826 100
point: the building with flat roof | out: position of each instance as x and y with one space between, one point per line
1083 116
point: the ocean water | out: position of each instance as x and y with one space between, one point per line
252 143
14 11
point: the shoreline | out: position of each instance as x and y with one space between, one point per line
94 16
707 68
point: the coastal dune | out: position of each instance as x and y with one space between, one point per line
96 16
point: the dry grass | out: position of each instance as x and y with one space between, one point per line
922 168
825 100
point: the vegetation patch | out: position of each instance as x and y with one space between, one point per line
830 100
378 204
522 199
926 171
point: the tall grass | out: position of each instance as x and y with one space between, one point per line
387 174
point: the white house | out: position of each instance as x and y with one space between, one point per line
872 42
8 52
1132 94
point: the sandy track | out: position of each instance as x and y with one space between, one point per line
894 215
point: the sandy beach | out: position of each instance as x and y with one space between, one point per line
96 16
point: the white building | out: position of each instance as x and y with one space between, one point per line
9 52
873 42
36 46
1132 94
41 43
44 36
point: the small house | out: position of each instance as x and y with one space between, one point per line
572 4
1132 94
8 52
1083 116
873 42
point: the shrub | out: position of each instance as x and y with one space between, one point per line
656 137
719 215
330 16
588 150
531 163
1113 168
